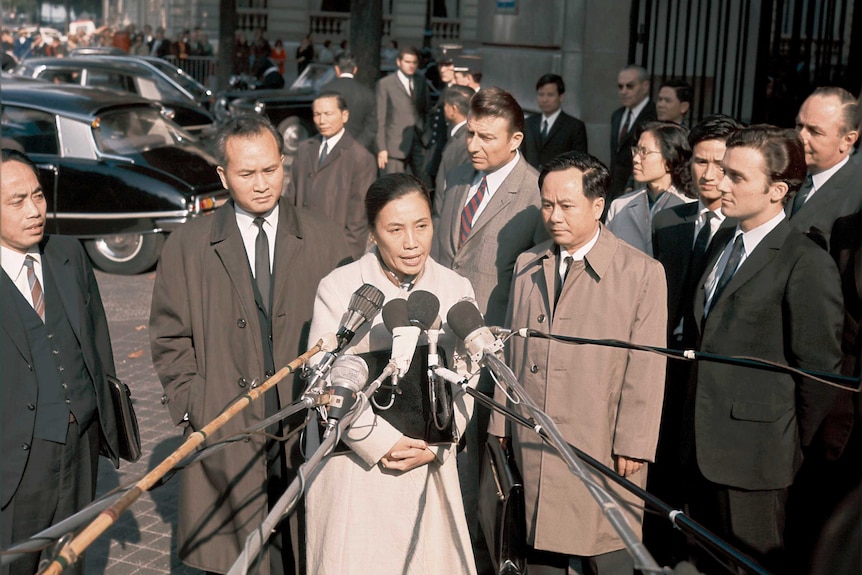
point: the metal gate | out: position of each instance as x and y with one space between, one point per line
755 60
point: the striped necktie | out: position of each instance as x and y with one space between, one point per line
469 212
35 287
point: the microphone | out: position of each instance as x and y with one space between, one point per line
365 303
466 322
348 376
405 337
423 309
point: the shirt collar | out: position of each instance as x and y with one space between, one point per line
333 141
821 178
457 127
552 118
637 109
495 179
13 261
702 209
245 220
582 251
346 75
752 238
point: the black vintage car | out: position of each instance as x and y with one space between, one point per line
185 99
116 172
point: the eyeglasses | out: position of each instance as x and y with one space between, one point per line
642 152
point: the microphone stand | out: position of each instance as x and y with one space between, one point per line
286 503
71 551
675 516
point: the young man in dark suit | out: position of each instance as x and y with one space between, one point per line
553 132
360 101
56 355
637 108
773 294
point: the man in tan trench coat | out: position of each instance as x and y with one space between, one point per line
606 401
214 333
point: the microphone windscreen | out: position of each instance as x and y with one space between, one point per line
423 308
349 371
464 318
366 301
395 314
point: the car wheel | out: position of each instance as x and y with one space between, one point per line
125 254
293 131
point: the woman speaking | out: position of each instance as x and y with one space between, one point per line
388 500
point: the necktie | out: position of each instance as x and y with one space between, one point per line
624 127
730 268
410 86
702 239
323 153
35 287
262 275
799 199
469 212
544 129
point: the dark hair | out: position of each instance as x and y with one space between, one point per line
782 150
14 155
458 96
684 91
407 50
391 187
849 106
243 126
675 151
346 62
498 103
715 127
597 178
552 79
342 103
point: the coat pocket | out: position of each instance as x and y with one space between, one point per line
755 411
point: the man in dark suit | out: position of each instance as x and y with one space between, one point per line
489 216
826 122
231 304
637 108
56 355
360 101
456 104
438 129
332 172
773 294
402 104
682 236
553 132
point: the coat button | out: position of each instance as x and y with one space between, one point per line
269 374
30 367
240 323
534 368
541 318
31 407
242 382
25 446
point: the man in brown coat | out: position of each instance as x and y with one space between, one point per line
223 320
606 401
331 173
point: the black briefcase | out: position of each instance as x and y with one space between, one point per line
127 422
501 509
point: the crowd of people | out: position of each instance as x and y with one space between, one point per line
734 241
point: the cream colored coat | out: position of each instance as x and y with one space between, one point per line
360 517
606 401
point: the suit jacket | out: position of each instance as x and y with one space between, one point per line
400 117
673 239
82 303
607 401
630 219
510 224
783 305
454 154
621 155
207 349
362 106
840 196
336 188
567 134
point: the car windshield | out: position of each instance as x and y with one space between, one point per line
314 76
193 86
135 130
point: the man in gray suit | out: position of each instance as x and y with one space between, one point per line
489 216
456 103
360 101
402 104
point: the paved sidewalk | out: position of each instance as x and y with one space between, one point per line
143 542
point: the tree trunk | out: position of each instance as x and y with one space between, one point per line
366 31
226 32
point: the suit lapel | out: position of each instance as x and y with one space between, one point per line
460 202
765 251
638 210
549 276
226 242
67 286
286 249
12 324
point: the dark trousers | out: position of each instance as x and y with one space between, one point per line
59 480
413 164
548 563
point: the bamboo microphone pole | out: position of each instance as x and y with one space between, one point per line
71 552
